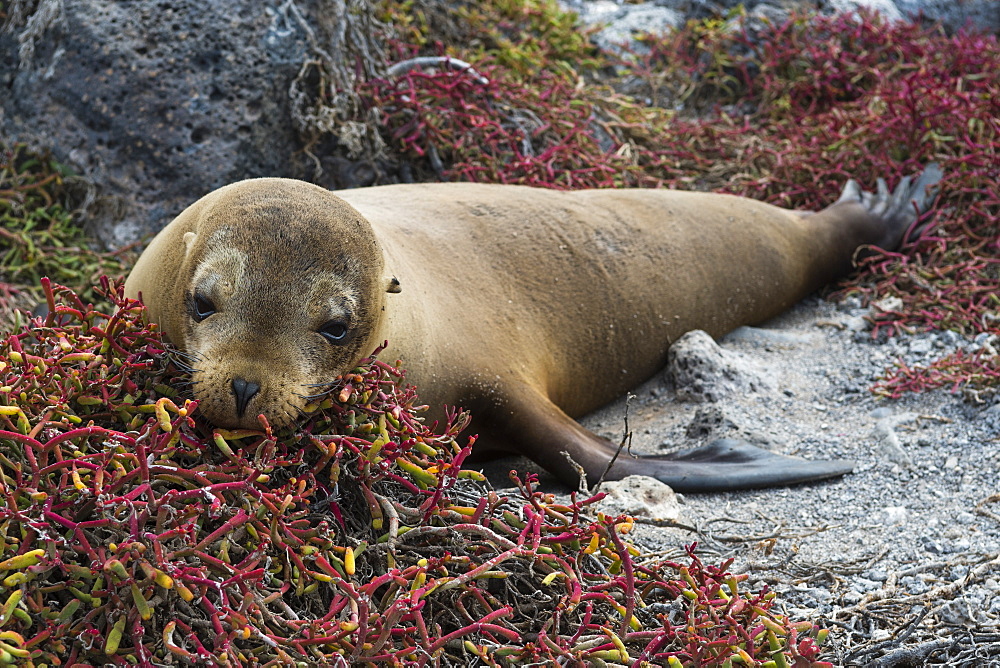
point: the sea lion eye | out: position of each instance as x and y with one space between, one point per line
201 307
334 331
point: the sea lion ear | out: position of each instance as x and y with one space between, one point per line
393 286
189 239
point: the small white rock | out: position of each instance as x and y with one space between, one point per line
895 514
639 496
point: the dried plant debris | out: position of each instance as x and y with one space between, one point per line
132 534
933 613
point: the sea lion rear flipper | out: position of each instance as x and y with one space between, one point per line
900 211
539 430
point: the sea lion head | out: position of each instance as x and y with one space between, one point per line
279 289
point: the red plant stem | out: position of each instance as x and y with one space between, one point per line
628 582
212 489
78 433
67 463
29 452
215 619
214 562
239 519
256 575
77 532
478 627
388 622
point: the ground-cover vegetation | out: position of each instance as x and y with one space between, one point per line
130 534
39 235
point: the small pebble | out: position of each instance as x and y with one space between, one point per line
948 338
913 585
864 584
895 514
961 545
852 597
821 595
933 546
957 613
876 574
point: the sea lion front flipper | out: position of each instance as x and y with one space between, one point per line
531 425
728 464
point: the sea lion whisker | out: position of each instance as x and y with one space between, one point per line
312 396
183 361
177 353
298 414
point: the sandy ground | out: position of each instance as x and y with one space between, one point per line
900 558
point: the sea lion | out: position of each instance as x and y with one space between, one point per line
527 306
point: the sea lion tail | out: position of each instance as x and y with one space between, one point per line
902 210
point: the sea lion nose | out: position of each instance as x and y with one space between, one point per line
244 391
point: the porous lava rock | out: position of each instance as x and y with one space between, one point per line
703 372
639 496
159 102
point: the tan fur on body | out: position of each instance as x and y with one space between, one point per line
527 306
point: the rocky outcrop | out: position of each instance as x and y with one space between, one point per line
160 102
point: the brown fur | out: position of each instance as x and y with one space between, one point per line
528 306
277 261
